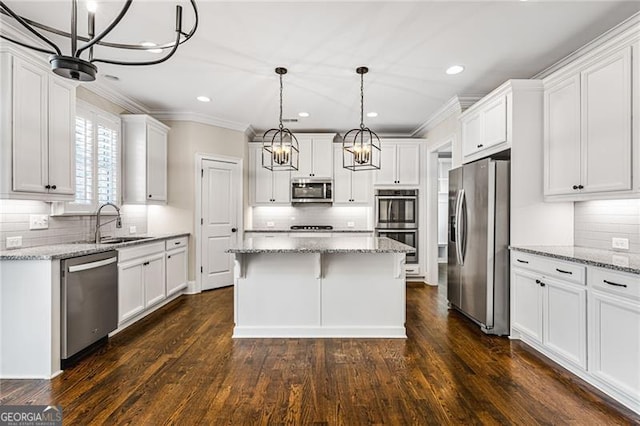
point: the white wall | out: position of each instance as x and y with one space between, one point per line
597 222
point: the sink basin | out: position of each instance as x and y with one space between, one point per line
118 240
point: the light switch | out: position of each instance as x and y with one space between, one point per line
14 242
38 221
620 243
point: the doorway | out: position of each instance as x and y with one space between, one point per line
218 218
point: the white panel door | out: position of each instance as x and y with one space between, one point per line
527 304
220 188
30 153
154 280
494 117
156 164
562 137
408 163
606 124
62 113
565 321
130 290
388 163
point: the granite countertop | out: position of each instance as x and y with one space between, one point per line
625 262
321 245
65 251
369 231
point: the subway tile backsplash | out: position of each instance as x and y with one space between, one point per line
597 222
14 221
283 217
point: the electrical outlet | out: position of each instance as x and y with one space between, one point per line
620 243
351 224
14 242
133 229
270 224
38 221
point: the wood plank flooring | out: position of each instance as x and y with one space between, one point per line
180 366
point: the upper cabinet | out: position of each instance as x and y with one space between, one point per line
485 126
266 187
145 159
37 116
315 156
399 163
350 187
588 128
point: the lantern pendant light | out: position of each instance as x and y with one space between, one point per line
361 146
279 146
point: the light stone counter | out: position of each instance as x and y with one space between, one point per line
618 261
321 245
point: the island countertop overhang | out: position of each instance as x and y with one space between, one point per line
320 245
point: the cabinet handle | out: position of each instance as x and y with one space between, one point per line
522 261
149 195
575 186
234 229
53 187
176 243
145 263
564 272
479 146
541 283
168 257
580 187
47 186
615 284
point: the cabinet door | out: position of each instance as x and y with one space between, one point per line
281 181
494 116
156 164
62 112
471 134
130 290
154 280
526 315
565 320
323 158
388 164
176 271
562 137
305 158
606 124
408 163
341 179
261 178
30 153
614 342
361 188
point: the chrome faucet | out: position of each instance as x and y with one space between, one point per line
98 225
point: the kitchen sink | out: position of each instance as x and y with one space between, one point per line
118 240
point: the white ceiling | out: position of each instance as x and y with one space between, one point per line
406 45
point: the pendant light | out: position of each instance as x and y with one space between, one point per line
72 66
279 146
361 146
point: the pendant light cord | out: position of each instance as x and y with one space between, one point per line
281 126
362 101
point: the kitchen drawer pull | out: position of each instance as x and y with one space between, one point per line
177 243
615 284
145 263
522 261
541 283
564 272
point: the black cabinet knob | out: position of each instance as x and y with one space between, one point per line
53 187
575 186
149 195
479 146
579 187
234 229
168 257
47 186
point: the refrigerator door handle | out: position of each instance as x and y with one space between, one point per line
463 226
458 226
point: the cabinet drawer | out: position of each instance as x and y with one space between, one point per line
412 269
567 271
176 242
619 283
139 251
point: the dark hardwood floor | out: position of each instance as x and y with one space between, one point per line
181 366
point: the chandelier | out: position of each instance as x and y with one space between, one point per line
361 146
74 67
279 146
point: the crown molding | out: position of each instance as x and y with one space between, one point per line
202 119
456 104
112 95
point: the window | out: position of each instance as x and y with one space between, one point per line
97 165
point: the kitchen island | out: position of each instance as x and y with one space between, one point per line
320 287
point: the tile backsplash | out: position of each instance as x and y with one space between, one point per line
14 221
597 222
283 217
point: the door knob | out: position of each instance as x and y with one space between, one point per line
234 229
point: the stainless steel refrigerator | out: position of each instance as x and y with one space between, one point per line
478 257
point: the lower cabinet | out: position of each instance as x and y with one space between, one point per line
176 265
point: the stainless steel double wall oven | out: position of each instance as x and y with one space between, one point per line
397 217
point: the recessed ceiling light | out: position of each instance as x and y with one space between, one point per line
372 114
303 114
455 69
203 99
111 77
92 6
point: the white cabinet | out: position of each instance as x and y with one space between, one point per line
176 265
154 280
588 129
145 159
485 126
350 187
267 187
550 311
614 332
399 163
130 290
38 122
315 156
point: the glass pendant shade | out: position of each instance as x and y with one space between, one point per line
361 146
280 147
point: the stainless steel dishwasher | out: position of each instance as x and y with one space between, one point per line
89 296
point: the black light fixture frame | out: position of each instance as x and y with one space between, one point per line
73 66
280 148
361 146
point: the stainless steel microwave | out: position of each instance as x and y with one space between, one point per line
311 191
